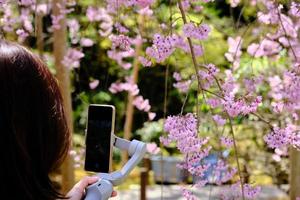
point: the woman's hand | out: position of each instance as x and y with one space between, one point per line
78 191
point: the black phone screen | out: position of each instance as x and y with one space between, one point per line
98 138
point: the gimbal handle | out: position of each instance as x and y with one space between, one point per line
102 189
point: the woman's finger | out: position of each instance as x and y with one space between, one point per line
86 181
114 193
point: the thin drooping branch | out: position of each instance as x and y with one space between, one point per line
200 87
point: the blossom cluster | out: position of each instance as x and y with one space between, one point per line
72 58
198 32
182 85
139 102
121 42
114 5
234 51
208 75
282 137
235 192
236 107
182 130
101 16
162 47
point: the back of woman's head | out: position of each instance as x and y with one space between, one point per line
34 137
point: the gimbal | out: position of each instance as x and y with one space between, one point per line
102 189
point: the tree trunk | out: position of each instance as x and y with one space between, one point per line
295 173
130 98
129 106
62 74
40 34
294 165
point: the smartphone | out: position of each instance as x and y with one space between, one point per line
99 138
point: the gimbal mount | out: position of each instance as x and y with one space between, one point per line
102 189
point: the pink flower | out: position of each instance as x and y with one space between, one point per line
278 137
100 15
142 104
56 21
226 141
86 42
208 75
26 2
162 47
118 56
141 3
198 32
129 86
145 62
183 44
188 195
74 27
56 18
222 172
276 157
151 115
152 148
2 2
177 76
42 8
213 102
146 11
220 121
22 35
235 192
72 58
234 52
120 28
183 86
265 48
252 84
295 9
94 84
183 130
234 3
121 42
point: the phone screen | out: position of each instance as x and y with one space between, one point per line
98 138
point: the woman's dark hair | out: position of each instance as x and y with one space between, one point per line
34 136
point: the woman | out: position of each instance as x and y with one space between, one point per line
34 137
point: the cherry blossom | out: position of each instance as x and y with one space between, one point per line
226 141
86 42
265 48
145 62
72 58
105 20
188 194
152 148
124 86
295 9
74 27
281 137
234 52
141 103
198 32
234 3
220 121
120 42
162 47
235 192
94 84
26 2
